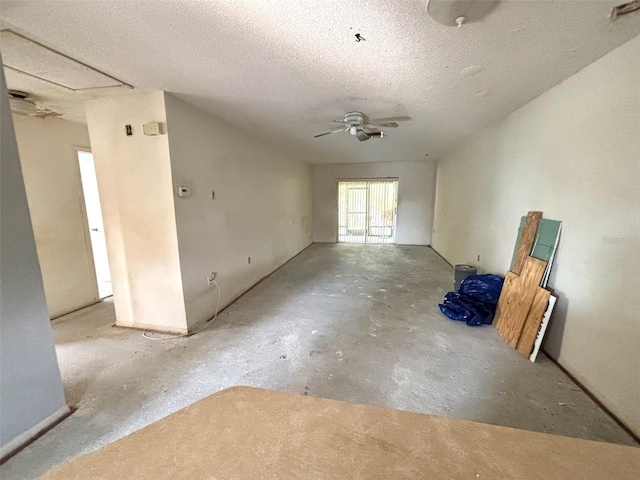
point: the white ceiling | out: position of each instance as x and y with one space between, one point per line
283 69
27 57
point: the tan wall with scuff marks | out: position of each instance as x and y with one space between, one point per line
573 153
262 206
134 179
416 191
52 180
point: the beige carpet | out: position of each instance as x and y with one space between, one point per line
249 433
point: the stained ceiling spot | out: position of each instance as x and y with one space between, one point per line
471 70
459 12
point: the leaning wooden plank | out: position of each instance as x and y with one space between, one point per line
533 321
543 328
507 296
523 220
513 309
526 241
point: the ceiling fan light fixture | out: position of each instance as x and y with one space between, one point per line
358 125
456 13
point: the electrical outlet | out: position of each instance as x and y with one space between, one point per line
211 277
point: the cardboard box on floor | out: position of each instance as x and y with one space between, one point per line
250 433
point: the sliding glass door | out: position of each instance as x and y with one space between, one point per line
367 211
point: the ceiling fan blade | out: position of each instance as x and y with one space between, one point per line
362 135
337 130
391 120
383 125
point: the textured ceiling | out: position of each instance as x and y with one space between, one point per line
283 69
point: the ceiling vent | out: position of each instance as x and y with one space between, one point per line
30 58
21 104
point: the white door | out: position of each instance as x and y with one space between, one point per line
96 226
367 211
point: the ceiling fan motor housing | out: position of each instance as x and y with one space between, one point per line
354 118
357 125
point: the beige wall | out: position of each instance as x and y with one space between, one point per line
416 189
574 153
134 179
262 206
52 179
161 247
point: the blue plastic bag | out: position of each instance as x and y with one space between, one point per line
476 300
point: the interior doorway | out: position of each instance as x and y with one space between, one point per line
367 211
96 225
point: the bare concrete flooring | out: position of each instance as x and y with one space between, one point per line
348 322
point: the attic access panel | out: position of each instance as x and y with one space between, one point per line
367 211
29 57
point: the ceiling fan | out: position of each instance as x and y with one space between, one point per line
358 125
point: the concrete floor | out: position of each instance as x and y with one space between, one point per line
349 322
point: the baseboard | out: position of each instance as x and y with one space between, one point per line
624 423
75 309
376 244
154 328
440 255
14 446
198 325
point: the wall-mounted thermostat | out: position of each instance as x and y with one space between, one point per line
152 129
184 191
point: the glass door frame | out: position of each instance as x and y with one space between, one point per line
396 180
